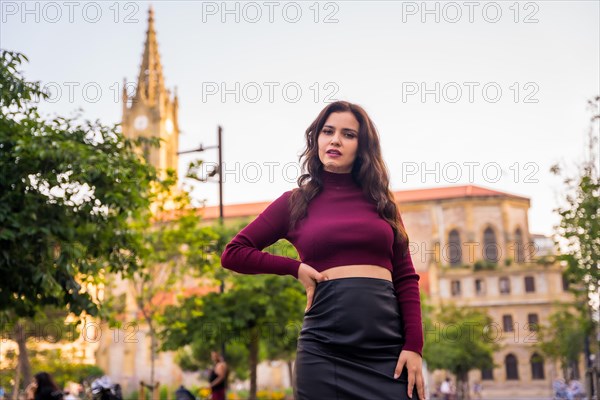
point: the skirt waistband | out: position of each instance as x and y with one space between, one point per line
357 280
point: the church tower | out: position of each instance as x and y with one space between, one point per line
152 111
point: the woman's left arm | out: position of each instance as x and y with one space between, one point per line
406 284
220 370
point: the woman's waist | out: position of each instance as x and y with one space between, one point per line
357 270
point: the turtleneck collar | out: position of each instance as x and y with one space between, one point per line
333 179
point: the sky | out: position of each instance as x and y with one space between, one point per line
483 93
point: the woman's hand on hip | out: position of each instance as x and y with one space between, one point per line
309 278
414 365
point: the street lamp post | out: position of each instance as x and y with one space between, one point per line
216 171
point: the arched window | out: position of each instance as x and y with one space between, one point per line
537 366
519 246
490 246
512 369
454 248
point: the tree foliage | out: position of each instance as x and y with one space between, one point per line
563 337
175 251
258 316
68 190
459 339
578 233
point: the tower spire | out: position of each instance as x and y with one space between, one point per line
151 84
151 112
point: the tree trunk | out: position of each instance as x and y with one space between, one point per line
253 361
15 394
152 356
21 339
462 386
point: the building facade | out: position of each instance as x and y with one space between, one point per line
477 251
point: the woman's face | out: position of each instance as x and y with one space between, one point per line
338 142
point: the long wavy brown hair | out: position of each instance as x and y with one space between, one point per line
369 170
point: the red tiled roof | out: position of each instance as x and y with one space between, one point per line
450 192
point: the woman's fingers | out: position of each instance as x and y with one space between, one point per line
309 297
309 278
420 386
411 383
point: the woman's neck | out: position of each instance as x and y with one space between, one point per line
337 179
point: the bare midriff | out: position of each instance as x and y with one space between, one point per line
360 270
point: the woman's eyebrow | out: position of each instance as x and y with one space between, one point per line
344 129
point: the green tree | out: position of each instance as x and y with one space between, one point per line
280 347
457 340
578 233
263 311
47 326
68 191
176 250
562 339
62 369
579 228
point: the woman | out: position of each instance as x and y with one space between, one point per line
218 376
43 388
361 337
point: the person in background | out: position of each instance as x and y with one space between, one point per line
218 376
560 388
43 388
477 389
183 394
575 390
70 396
446 389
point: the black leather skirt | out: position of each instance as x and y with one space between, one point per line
350 342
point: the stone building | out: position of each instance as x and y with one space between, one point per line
475 246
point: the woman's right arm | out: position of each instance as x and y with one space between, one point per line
244 253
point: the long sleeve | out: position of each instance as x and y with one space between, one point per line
244 253
406 283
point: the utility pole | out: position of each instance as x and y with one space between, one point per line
216 171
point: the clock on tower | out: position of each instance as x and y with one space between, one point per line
140 122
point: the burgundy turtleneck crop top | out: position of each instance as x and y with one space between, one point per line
341 227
